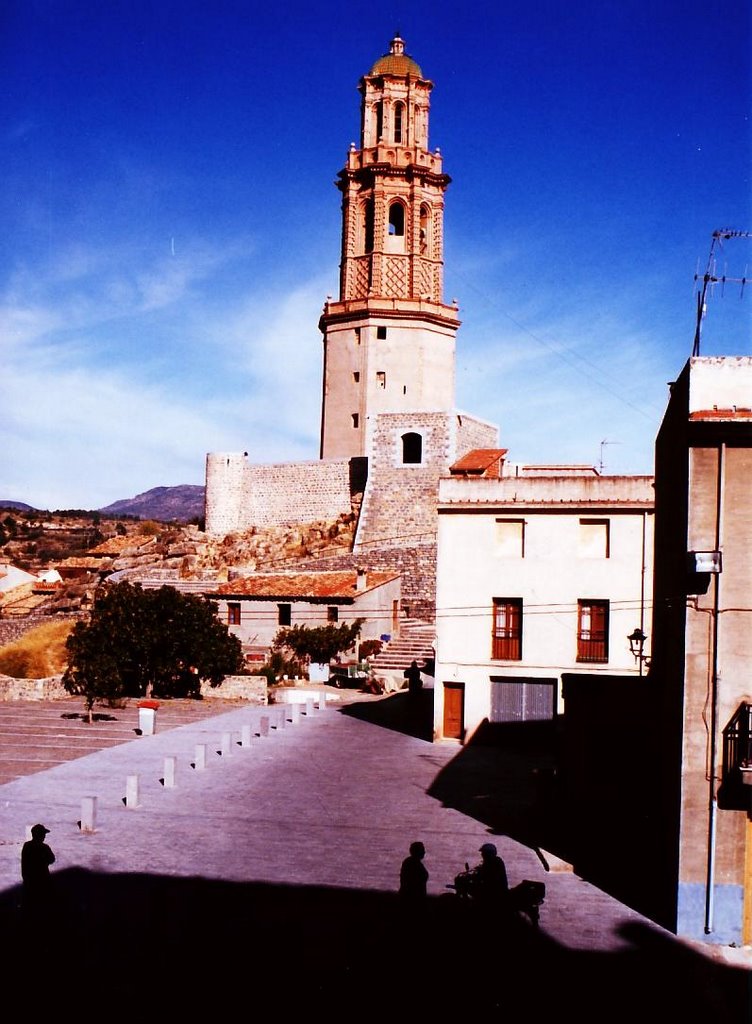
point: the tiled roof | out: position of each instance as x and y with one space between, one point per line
303 585
478 460
734 413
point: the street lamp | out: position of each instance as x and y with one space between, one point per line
636 644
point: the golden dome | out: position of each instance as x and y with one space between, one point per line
396 62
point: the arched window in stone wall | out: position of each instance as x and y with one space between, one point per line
379 120
399 119
425 229
412 448
397 219
366 225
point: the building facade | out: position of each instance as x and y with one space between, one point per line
537 576
702 648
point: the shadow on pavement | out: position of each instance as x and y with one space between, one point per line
401 712
147 945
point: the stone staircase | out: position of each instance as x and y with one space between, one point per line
415 642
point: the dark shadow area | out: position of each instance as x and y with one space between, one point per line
97 716
148 945
505 777
411 714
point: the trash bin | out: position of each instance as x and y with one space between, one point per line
147 716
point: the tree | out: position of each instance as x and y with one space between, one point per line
140 643
318 643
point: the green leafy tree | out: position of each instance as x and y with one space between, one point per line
142 643
318 643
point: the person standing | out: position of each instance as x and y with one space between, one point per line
414 876
414 678
36 859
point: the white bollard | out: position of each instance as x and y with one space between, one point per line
226 744
282 717
169 772
309 705
264 726
295 713
88 814
131 791
245 736
322 698
200 762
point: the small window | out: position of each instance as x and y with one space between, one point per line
233 614
412 448
397 219
381 333
356 376
507 629
380 379
357 335
379 120
284 614
355 420
594 538
332 614
399 111
592 631
510 538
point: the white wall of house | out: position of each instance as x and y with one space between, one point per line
260 618
569 540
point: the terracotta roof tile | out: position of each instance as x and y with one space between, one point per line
302 585
734 413
478 460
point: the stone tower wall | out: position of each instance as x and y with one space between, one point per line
226 494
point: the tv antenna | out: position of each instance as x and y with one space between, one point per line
711 278
604 442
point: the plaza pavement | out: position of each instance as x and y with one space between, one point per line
267 880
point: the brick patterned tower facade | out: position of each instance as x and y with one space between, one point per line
389 340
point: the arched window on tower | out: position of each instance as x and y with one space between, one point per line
412 448
397 219
399 116
425 228
379 120
367 213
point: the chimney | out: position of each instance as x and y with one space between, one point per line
360 580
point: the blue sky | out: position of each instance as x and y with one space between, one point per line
170 227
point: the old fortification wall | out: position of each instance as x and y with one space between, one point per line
247 688
240 495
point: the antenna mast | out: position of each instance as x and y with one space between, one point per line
710 278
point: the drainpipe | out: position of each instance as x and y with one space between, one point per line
712 801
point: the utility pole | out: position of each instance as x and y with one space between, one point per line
711 278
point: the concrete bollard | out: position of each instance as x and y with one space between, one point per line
200 763
170 764
322 699
131 791
245 736
264 726
225 744
309 705
295 713
282 717
88 814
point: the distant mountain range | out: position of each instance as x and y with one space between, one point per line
166 504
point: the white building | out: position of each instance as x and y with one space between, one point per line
539 573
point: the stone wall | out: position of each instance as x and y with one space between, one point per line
247 688
240 495
12 628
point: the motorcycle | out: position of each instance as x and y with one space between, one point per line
526 898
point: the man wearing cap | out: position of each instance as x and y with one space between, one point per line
36 858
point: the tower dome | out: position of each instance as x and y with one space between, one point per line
396 62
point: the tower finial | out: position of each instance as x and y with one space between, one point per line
397 45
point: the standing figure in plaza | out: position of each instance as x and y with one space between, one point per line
36 858
414 876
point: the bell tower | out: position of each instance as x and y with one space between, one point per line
389 339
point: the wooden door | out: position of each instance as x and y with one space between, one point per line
454 711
